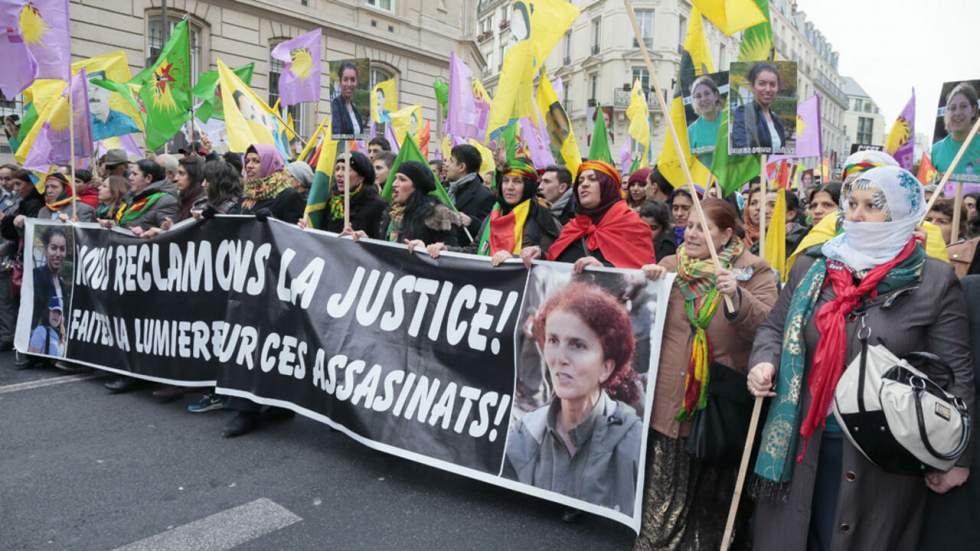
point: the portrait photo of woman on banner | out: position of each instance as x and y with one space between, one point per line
959 108
703 109
580 402
762 108
350 105
48 337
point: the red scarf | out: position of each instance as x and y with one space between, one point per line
621 236
828 359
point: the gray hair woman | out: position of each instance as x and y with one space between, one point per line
815 489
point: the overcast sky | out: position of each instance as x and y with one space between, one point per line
889 46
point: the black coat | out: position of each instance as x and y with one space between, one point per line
367 213
476 201
340 122
288 206
749 128
28 207
429 221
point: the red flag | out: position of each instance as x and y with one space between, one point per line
927 172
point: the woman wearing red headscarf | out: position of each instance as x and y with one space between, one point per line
604 231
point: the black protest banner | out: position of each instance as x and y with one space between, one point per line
446 361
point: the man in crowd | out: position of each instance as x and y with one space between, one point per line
556 188
438 168
113 163
169 164
473 201
377 145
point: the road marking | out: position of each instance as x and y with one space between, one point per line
223 530
50 381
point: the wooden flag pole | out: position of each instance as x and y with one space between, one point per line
743 467
677 142
957 205
764 190
347 188
71 153
952 167
309 145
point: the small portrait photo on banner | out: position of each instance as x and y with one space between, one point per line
350 103
959 108
52 251
584 357
762 108
704 103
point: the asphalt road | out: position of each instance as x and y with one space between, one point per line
83 469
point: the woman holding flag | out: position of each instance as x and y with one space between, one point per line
516 221
604 231
367 208
686 500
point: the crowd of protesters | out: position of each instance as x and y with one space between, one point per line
849 242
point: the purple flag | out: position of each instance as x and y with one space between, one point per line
392 139
300 80
538 143
50 145
900 142
808 139
626 156
462 116
34 43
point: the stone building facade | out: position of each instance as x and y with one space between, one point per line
409 40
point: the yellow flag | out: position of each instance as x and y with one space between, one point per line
558 126
248 119
695 61
537 26
775 246
384 100
638 114
405 120
731 16
486 156
447 147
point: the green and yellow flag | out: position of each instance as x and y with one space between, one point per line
563 144
410 152
316 202
733 171
165 89
207 90
695 61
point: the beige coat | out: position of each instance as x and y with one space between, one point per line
730 337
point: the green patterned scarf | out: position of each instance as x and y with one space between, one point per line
781 432
337 202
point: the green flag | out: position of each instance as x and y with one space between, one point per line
732 172
599 148
165 89
319 197
410 152
207 89
26 123
441 88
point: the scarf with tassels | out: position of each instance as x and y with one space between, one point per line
337 202
696 282
128 213
260 189
784 423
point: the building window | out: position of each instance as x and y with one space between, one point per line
155 43
503 47
593 88
722 56
566 48
276 68
682 30
643 75
865 129
644 18
596 34
387 5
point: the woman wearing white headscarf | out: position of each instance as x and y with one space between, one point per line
815 489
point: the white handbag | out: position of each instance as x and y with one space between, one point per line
896 415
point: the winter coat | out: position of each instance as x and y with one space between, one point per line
952 520
288 206
164 207
28 207
473 199
85 212
432 222
730 336
875 509
610 455
367 210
